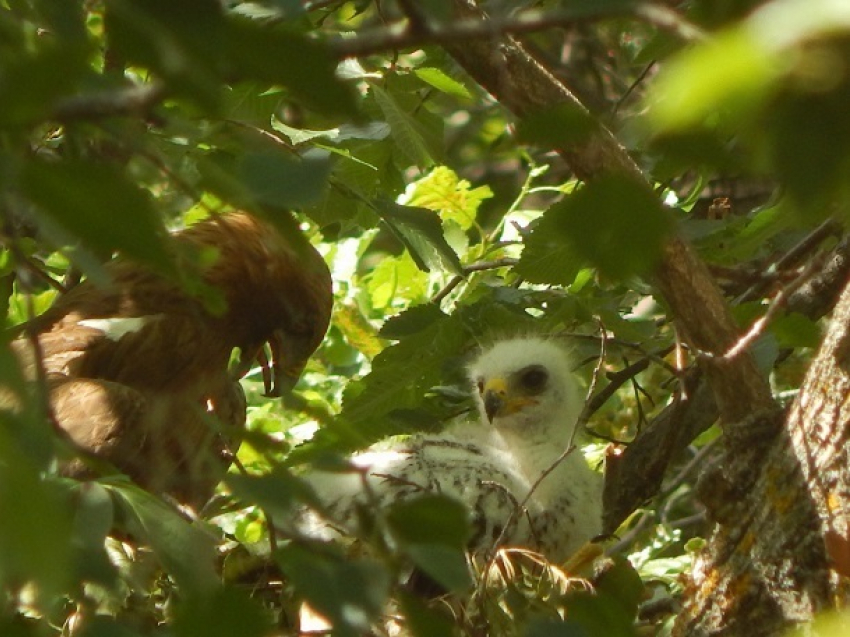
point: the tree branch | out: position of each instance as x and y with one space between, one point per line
420 31
130 101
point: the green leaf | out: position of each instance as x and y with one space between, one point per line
93 521
560 126
305 66
412 320
227 612
598 615
442 82
184 550
736 74
614 222
400 376
396 279
422 234
180 41
280 181
98 204
548 255
430 519
33 538
32 82
278 492
796 330
446 565
273 179
739 68
811 159
621 584
406 131
424 621
443 192
351 593
301 135
433 531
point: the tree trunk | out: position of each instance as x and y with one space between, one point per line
781 498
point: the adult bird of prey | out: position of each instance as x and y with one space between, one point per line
500 465
138 368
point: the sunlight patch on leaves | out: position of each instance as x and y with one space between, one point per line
396 280
442 82
442 191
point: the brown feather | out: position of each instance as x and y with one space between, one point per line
143 399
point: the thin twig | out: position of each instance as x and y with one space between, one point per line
480 266
683 474
791 258
447 289
587 411
760 324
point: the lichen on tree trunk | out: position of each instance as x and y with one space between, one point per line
781 497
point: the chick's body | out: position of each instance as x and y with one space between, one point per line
506 466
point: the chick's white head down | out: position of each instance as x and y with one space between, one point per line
526 387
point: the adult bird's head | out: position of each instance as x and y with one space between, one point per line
277 291
523 383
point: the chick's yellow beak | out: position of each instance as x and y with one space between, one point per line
498 400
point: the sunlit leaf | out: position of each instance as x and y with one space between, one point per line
396 279
440 81
443 192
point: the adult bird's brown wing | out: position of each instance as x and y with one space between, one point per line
165 442
138 365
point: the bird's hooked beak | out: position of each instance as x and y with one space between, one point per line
286 366
498 400
281 373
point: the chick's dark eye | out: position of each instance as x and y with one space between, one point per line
534 378
480 385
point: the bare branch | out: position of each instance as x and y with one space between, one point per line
131 101
420 31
